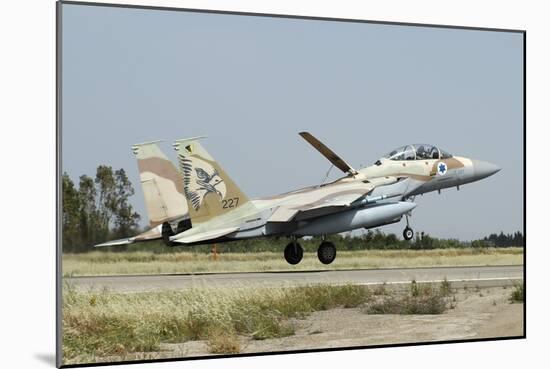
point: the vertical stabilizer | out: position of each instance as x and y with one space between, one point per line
209 190
162 184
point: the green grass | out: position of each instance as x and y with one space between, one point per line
518 293
98 325
143 262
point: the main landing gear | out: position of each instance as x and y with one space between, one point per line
326 252
294 252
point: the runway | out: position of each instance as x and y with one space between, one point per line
482 276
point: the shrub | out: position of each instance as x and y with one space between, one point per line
445 287
419 300
518 293
223 341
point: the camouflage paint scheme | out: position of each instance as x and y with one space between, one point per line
219 211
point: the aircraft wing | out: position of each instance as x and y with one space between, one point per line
306 211
345 197
336 160
283 214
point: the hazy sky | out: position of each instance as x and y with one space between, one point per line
252 83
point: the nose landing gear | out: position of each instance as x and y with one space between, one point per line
408 233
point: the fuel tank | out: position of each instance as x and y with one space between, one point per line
368 217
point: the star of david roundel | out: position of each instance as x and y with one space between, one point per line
441 168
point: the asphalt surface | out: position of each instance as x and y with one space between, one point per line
482 276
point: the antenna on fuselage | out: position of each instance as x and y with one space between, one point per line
326 176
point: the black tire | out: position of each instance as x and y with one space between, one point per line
408 233
294 253
326 252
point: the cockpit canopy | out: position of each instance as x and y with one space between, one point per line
417 152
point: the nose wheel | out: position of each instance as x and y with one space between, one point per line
408 233
293 253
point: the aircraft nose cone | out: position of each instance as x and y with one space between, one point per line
483 169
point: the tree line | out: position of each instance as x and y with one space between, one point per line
97 210
369 240
504 240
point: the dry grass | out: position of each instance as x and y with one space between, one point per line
421 299
99 325
108 263
221 341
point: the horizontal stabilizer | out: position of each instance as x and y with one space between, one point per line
149 235
122 241
203 236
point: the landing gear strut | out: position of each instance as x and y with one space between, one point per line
408 233
326 252
293 253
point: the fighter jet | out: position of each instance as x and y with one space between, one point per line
366 198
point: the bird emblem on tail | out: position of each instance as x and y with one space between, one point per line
199 179
208 182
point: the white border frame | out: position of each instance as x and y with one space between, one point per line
28 186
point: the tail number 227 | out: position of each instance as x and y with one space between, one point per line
230 203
